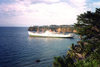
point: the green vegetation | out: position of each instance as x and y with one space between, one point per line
87 51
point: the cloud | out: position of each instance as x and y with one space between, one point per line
96 4
38 1
78 3
52 1
27 13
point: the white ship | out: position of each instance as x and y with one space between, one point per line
50 34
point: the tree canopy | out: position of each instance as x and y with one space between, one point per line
88 25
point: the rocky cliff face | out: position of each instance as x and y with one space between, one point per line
56 28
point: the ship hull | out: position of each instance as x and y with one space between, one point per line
49 35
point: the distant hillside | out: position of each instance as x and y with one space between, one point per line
56 28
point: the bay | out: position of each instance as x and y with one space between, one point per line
17 49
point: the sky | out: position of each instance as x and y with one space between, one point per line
43 12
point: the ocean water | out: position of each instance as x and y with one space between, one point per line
17 49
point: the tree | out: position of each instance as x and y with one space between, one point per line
64 61
88 25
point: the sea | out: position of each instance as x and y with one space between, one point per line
17 49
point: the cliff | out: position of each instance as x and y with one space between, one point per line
56 28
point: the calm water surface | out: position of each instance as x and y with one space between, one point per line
17 49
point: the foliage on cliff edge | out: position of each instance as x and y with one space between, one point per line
87 51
